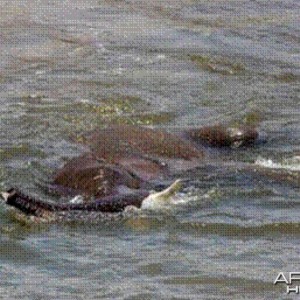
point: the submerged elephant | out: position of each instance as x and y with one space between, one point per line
123 163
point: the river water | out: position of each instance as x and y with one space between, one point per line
69 66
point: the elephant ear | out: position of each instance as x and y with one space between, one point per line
225 136
145 168
90 177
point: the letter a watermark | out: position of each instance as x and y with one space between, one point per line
281 278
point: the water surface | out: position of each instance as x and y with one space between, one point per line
70 66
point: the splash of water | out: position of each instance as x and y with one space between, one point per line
292 163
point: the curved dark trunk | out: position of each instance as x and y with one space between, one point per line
38 208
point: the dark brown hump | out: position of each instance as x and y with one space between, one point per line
132 141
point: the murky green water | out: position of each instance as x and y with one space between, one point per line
69 66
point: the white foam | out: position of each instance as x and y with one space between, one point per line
292 163
77 199
180 200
